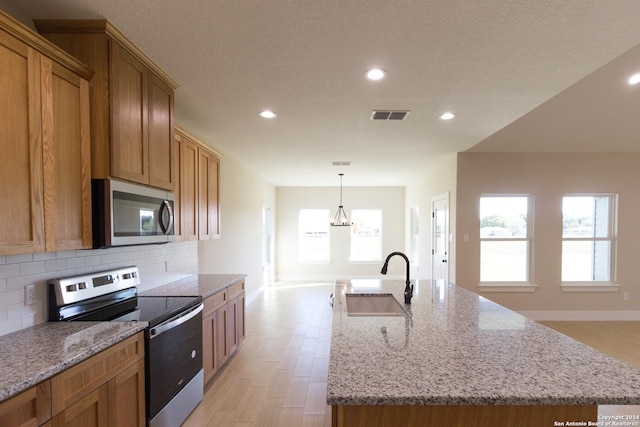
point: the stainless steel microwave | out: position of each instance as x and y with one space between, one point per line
126 214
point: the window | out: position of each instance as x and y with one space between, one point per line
366 235
313 235
588 238
504 238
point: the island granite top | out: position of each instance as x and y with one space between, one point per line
202 285
35 354
454 347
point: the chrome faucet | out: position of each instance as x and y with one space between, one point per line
408 289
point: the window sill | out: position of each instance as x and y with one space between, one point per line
507 287
589 287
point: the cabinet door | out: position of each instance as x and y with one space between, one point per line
208 168
189 189
67 171
129 136
21 191
222 335
31 407
161 173
210 346
90 411
175 164
232 327
240 318
126 397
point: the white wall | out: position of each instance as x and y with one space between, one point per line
391 200
548 177
243 195
438 177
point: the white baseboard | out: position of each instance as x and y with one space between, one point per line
582 315
253 295
332 278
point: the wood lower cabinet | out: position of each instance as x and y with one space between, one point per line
90 411
198 197
44 139
223 327
119 370
32 407
132 102
105 390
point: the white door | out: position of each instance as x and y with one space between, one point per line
440 237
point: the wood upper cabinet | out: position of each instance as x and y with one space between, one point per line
188 194
67 160
131 102
44 140
161 172
198 197
21 192
208 172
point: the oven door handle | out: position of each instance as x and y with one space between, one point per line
175 321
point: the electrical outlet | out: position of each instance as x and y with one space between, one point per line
625 296
29 294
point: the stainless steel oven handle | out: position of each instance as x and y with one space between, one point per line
175 321
166 228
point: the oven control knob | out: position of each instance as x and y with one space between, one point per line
193 354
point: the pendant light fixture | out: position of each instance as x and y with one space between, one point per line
340 219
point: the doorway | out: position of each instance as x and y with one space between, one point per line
440 237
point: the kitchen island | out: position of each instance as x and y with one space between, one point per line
458 359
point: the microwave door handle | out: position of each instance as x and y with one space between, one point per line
166 228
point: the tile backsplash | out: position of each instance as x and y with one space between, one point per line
158 265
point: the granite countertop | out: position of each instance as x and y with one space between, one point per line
455 347
202 285
35 354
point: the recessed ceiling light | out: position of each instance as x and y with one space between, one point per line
375 74
635 79
268 114
447 116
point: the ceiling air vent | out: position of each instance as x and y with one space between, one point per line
342 163
389 114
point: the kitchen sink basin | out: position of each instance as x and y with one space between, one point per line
373 305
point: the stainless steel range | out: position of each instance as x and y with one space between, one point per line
173 340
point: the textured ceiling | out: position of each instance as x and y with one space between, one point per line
507 69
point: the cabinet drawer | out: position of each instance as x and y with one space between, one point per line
31 407
79 380
236 289
214 302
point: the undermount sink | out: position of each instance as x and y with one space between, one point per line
373 305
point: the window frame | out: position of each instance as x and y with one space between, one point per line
526 285
612 231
